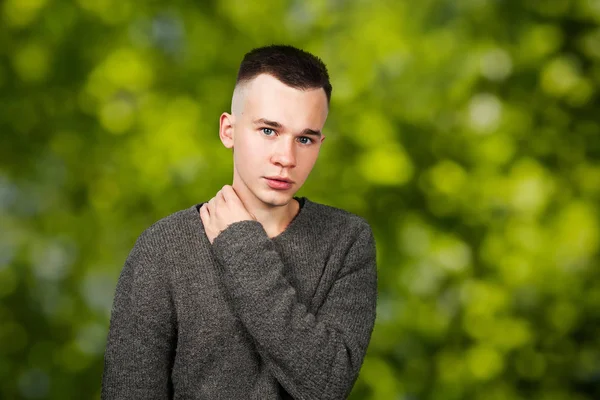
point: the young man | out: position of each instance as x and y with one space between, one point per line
256 294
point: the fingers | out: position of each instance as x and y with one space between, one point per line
206 222
231 196
225 192
212 206
220 196
204 214
227 206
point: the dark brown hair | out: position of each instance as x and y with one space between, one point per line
293 67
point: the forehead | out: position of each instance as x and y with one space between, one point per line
267 97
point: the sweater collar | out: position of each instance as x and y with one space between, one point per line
299 219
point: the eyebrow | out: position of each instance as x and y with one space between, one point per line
277 125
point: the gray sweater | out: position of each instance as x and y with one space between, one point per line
247 317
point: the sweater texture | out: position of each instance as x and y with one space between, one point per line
248 317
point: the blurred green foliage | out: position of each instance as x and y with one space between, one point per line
466 132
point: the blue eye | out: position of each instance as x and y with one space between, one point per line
305 140
268 131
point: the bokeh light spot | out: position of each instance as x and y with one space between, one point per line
386 166
32 62
484 362
19 13
496 64
485 111
117 116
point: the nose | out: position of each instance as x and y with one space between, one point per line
284 153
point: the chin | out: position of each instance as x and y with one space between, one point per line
276 199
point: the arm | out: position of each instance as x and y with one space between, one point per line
140 346
312 356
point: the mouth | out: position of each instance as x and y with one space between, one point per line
279 182
279 178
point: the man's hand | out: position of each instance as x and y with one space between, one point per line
221 211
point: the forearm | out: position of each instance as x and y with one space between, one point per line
312 356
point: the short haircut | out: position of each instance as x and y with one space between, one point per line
294 67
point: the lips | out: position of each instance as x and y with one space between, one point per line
279 178
279 183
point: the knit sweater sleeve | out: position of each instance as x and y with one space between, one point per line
313 356
140 345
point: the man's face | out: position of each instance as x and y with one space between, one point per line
276 137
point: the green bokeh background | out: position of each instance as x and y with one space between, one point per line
467 133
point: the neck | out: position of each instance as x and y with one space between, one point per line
273 218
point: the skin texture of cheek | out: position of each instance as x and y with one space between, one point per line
250 164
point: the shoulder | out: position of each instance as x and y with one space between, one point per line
339 222
347 233
333 215
175 231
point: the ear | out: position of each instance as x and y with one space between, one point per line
226 129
